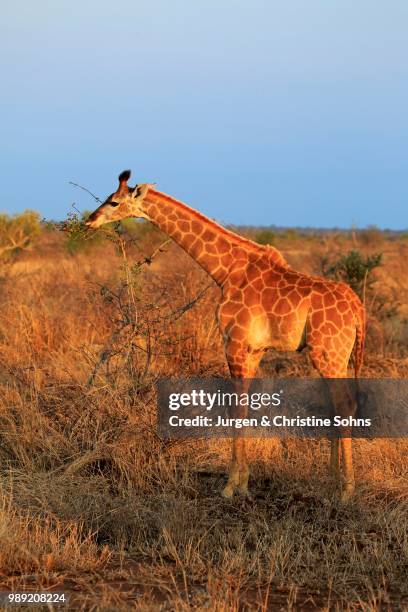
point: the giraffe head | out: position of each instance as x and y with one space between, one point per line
124 202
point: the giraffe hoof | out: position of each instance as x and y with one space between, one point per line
245 495
227 492
243 491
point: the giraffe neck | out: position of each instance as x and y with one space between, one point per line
212 246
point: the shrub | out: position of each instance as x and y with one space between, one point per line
265 236
353 269
77 238
371 236
17 232
290 234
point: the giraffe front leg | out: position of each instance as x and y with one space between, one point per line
239 471
243 470
335 460
341 459
243 364
243 480
348 470
234 472
345 407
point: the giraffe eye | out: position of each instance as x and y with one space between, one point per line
112 203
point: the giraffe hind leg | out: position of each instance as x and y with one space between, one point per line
242 488
233 475
238 475
341 458
348 470
335 459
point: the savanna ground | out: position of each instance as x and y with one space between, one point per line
95 504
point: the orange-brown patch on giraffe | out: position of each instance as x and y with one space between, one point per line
317 318
348 318
211 248
329 329
161 219
303 283
317 301
197 228
209 237
285 290
252 272
229 309
269 296
270 277
172 216
238 332
257 310
251 296
218 269
154 212
258 284
226 260
282 307
239 265
188 241
197 245
198 251
261 265
332 314
233 347
223 246
294 298
329 299
337 342
212 260
233 296
177 235
344 353
328 343
243 313
288 325
243 316
290 275
185 226
235 278
345 338
342 306
240 262
171 227
257 259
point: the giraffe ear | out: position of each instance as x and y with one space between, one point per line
141 190
124 177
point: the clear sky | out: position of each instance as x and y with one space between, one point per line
290 112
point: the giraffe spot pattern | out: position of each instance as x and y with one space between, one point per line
265 303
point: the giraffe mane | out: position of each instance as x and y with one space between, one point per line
240 240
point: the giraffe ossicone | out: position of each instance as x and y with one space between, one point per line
264 303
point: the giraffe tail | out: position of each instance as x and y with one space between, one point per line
360 339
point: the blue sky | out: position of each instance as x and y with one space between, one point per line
262 112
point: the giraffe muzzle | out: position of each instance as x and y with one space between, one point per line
94 221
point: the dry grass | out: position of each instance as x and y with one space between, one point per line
92 502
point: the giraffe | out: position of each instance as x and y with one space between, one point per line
264 304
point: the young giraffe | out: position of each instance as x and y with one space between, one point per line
264 304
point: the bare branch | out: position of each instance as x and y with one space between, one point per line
87 191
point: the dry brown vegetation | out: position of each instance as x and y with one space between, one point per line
94 503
